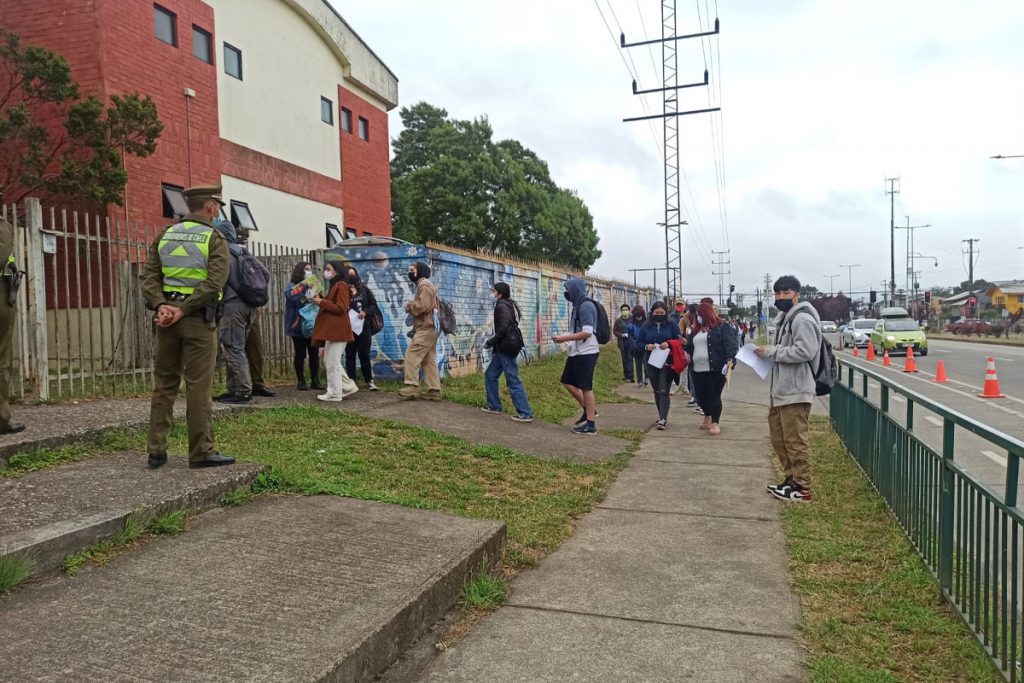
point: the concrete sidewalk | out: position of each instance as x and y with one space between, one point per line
680 574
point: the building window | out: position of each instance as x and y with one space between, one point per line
174 201
232 61
202 45
241 216
364 129
350 234
346 120
367 233
333 235
326 111
166 23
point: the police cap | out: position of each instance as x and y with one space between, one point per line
205 192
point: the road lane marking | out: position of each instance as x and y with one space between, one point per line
995 457
934 420
1008 360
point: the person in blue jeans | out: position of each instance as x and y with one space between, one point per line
506 343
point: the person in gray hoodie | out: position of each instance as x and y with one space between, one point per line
795 353
578 375
235 323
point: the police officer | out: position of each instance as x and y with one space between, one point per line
8 291
182 281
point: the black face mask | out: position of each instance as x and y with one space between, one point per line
659 318
413 277
783 304
566 295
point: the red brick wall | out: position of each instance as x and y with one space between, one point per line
263 169
365 168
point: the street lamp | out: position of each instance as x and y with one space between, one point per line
831 279
1008 156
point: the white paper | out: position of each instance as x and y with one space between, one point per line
357 322
658 357
762 366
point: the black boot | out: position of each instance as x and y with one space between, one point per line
238 399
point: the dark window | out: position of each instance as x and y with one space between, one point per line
333 235
326 111
232 61
174 201
166 24
346 120
367 233
241 216
350 233
202 45
364 128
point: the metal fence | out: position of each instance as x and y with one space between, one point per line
968 535
82 327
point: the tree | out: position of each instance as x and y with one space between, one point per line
451 183
55 143
978 285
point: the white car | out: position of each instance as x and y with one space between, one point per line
858 333
828 326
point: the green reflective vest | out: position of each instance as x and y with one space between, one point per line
185 256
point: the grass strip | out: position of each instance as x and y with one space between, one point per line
137 528
872 611
107 442
13 570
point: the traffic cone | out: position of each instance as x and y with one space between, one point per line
910 365
871 352
940 374
856 353
886 361
991 382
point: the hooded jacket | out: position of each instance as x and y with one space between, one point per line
332 322
582 319
798 341
227 231
426 301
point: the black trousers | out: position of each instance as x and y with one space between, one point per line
360 346
304 349
661 382
627 361
639 365
709 386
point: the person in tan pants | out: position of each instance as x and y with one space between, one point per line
422 353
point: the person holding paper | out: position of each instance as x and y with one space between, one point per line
362 305
713 348
654 337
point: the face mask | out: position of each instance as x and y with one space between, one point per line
353 279
566 295
412 276
624 314
700 320
308 272
659 317
783 304
329 274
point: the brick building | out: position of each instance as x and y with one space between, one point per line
278 100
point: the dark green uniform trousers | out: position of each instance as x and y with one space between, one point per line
188 348
254 353
6 332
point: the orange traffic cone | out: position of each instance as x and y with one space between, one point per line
886 361
940 374
991 381
871 352
910 365
856 353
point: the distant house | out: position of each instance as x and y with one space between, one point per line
1007 295
959 304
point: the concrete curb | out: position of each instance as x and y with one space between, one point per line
984 341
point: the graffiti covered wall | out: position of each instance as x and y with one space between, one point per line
465 280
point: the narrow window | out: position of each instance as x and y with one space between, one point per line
232 61
367 233
350 234
174 201
241 216
364 129
346 120
202 45
326 111
166 25
333 235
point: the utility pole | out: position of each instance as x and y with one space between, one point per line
910 252
849 271
970 261
721 273
670 122
831 279
892 192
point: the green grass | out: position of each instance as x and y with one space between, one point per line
108 442
136 528
13 570
485 591
871 609
237 497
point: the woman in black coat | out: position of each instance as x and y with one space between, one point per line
505 345
364 304
712 346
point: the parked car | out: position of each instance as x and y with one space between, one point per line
857 333
899 334
828 326
969 326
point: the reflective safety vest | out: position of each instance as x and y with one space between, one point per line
185 256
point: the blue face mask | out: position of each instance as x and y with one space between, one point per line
783 304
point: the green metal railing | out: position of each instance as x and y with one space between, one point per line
968 535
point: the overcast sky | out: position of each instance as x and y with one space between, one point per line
821 101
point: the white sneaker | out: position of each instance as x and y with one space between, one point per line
329 397
371 386
354 390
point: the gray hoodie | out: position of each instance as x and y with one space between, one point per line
583 318
797 341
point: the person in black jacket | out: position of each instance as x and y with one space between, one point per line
636 350
655 334
621 332
505 344
364 304
712 346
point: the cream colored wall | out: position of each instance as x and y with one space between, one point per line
284 219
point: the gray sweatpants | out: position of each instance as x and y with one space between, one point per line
234 329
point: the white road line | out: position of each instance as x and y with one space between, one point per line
934 420
1008 360
995 457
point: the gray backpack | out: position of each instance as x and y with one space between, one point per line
827 373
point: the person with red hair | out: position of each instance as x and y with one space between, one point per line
713 347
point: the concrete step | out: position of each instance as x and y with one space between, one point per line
53 513
281 589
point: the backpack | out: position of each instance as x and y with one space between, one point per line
603 330
446 316
375 322
253 280
512 343
307 318
827 373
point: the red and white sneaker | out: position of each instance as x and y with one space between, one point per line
792 494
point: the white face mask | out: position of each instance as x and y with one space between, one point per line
700 320
328 274
308 272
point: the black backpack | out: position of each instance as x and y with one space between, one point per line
603 330
827 374
253 279
512 343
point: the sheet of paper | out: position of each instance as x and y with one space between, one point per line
357 323
762 366
658 357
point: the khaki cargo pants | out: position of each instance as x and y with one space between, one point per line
422 355
788 428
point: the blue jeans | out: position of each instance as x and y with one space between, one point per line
504 363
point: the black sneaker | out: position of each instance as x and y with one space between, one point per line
260 390
787 482
156 460
661 424
302 386
585 428
213 460
235 399
793 494
583 419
